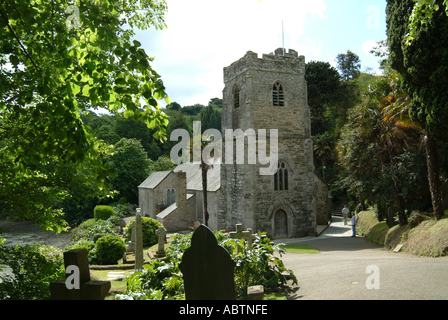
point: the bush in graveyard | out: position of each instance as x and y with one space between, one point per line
149 228
33 268
92 230
108 250
163 280
103 212
82 244
260 266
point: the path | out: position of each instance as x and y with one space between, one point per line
339 270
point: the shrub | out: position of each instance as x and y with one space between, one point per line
31 269
163 279
103 212
149 228
108 250
82 244
92 230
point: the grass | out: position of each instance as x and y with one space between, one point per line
298 248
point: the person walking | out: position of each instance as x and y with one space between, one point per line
345 213
354 222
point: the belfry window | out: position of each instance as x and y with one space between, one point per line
236 97
278 96
281 177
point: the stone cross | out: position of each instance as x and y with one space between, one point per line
161 233
240 234
207 268
78 286
249 237
138 241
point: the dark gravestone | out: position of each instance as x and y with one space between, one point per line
88 289
207 268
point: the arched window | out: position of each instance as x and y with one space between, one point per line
281 177
278 96
171 197
236 97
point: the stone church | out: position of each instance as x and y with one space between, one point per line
260 93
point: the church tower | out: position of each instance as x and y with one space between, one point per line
268 93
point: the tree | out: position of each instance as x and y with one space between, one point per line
378 133
324 148
58 61
324 91
349 65
132 166
423 62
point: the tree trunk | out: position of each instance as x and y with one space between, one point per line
380 210
397 186
432 160
204 168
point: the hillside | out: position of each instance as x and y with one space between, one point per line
429 238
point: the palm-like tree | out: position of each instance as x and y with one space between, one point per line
382 122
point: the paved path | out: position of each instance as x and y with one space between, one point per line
339 270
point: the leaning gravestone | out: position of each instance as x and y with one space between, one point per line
207 268
81 288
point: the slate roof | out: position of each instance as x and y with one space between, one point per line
154 179
194 177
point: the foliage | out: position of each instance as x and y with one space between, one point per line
131 164
423 65
163 279
52 71
108 250
378 132
260 266
103 212
93 229
82 244
33 268
149 228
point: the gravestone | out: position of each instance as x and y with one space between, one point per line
161 234
130 247
138 241
240 234
88 289
207 268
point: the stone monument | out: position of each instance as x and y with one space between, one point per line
161 234
138 241
207 268
83 287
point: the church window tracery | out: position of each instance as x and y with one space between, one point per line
278 96
281 177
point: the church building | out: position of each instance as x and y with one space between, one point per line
268 93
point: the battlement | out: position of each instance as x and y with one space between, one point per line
280 60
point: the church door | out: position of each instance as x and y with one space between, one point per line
281 225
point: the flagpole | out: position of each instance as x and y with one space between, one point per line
283 38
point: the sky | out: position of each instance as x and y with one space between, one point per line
204 36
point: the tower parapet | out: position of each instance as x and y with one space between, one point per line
277 61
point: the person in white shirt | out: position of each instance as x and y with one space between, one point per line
345 213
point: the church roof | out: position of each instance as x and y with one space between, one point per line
154 179
194 176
